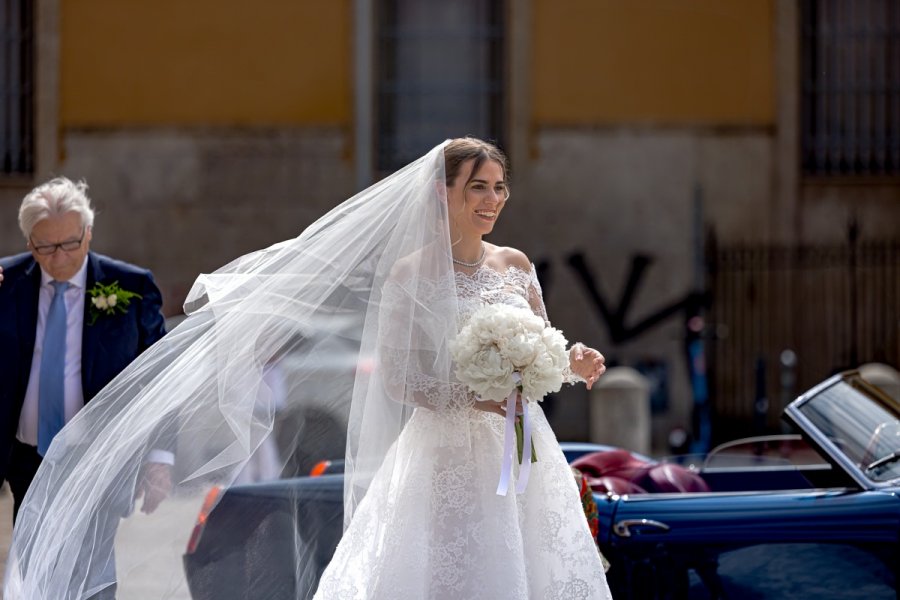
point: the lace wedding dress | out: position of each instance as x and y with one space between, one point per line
434 528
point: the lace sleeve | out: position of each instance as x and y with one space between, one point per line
535 296
413 385
535 299
414 364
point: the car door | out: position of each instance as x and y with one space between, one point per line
804 544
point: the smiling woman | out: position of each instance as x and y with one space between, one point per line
477 191
443 528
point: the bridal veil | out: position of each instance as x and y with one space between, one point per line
318 308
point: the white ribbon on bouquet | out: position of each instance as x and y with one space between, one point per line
509 443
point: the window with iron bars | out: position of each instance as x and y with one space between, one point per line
440 73
850 110
16 87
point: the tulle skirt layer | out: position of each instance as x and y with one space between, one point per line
433 527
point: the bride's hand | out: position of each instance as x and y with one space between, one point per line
498 407
587 363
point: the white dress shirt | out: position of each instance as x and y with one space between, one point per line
75 295
73 394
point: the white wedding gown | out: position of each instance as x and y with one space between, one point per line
435 528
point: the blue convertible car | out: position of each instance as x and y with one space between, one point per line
814 514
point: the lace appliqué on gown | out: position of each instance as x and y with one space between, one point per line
433 527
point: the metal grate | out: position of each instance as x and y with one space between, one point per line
440 69
851 87
17 86
836 307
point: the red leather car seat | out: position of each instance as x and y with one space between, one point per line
616 471
620 472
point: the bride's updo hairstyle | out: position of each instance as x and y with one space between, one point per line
460 150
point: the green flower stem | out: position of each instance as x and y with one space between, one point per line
520 433
520 441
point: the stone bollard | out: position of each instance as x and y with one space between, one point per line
620 410
883 376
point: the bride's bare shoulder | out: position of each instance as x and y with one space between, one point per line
505 257
412 263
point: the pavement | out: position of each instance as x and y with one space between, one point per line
148 548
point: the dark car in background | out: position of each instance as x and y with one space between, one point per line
814 514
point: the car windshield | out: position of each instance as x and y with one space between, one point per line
863 422
760 452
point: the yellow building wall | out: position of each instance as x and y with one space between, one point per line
653 61
205 62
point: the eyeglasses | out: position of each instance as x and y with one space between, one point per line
483 190
49 249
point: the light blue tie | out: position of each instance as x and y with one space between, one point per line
51 395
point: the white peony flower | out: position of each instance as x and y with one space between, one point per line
111 300
500 340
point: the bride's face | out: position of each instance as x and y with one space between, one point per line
476 201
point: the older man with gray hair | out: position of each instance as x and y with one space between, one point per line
72 320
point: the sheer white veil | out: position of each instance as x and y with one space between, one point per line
347 311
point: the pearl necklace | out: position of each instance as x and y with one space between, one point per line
472 265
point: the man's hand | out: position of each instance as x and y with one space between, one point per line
1 275
154 484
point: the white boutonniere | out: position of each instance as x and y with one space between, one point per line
108 299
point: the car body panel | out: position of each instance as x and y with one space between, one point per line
746 517
710 539
257 537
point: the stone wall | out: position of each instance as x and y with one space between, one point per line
183 202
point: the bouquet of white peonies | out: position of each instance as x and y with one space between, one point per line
501 340
503 349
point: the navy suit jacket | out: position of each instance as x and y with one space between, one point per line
107 346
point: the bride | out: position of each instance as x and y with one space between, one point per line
393 274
